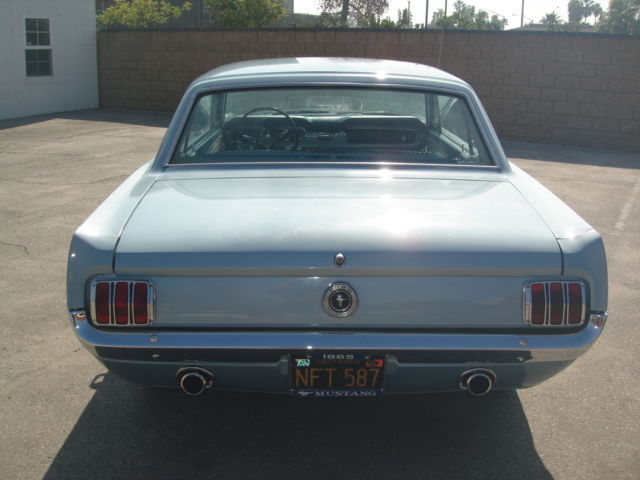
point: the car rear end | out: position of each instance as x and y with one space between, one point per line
452 283
335 233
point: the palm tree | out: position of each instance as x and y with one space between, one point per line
580 10
551 20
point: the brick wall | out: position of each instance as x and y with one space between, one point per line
562 88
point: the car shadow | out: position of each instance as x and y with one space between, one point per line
131 117
133 432
573 155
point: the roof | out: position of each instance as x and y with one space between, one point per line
324 68
560 27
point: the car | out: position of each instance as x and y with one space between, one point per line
334 227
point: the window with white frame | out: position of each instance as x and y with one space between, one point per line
37 56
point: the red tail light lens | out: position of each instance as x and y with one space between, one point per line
122 303
576 312
102 303
538 303
554 303
140 303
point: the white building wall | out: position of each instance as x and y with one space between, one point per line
74 83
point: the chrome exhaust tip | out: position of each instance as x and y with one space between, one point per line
477 382
194 380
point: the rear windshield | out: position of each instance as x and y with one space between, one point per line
333 125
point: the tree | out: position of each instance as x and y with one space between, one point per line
244 13
497 23
465 17
623 17
361 11
377 22
141 13
438 20
551 20
405 19
580 10
329 20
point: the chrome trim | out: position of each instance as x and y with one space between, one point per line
302 163
92 300
212 85
473 371
527 303
204 375
130 294
565 303
547 307
348 291
467 376
598 319
584 303
200 370
541 347
151 298
130 302
567 298
202 385
77 316
479 376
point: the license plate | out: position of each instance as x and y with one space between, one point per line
337 375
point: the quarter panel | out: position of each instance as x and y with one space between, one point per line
93 244
584 256
561 219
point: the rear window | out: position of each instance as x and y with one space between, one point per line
331 124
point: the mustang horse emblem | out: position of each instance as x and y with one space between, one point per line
340 300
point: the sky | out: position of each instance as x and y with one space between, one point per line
534 10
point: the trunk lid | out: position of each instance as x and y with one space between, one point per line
260 251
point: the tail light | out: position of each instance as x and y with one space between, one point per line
554 303
122 303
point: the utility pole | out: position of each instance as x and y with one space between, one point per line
426 16
522 15
445 8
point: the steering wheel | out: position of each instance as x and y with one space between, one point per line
267 138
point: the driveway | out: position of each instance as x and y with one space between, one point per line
64 417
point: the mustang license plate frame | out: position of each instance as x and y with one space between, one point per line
337 375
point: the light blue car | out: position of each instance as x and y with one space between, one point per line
331 227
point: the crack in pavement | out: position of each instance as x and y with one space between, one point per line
27 182
47 154
17 245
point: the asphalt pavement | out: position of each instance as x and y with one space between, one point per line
64 417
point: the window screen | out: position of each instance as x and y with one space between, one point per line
37 59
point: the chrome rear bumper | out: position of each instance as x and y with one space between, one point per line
257 361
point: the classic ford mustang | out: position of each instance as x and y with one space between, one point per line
334 227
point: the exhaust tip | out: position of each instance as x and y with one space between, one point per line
477 382
194 380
